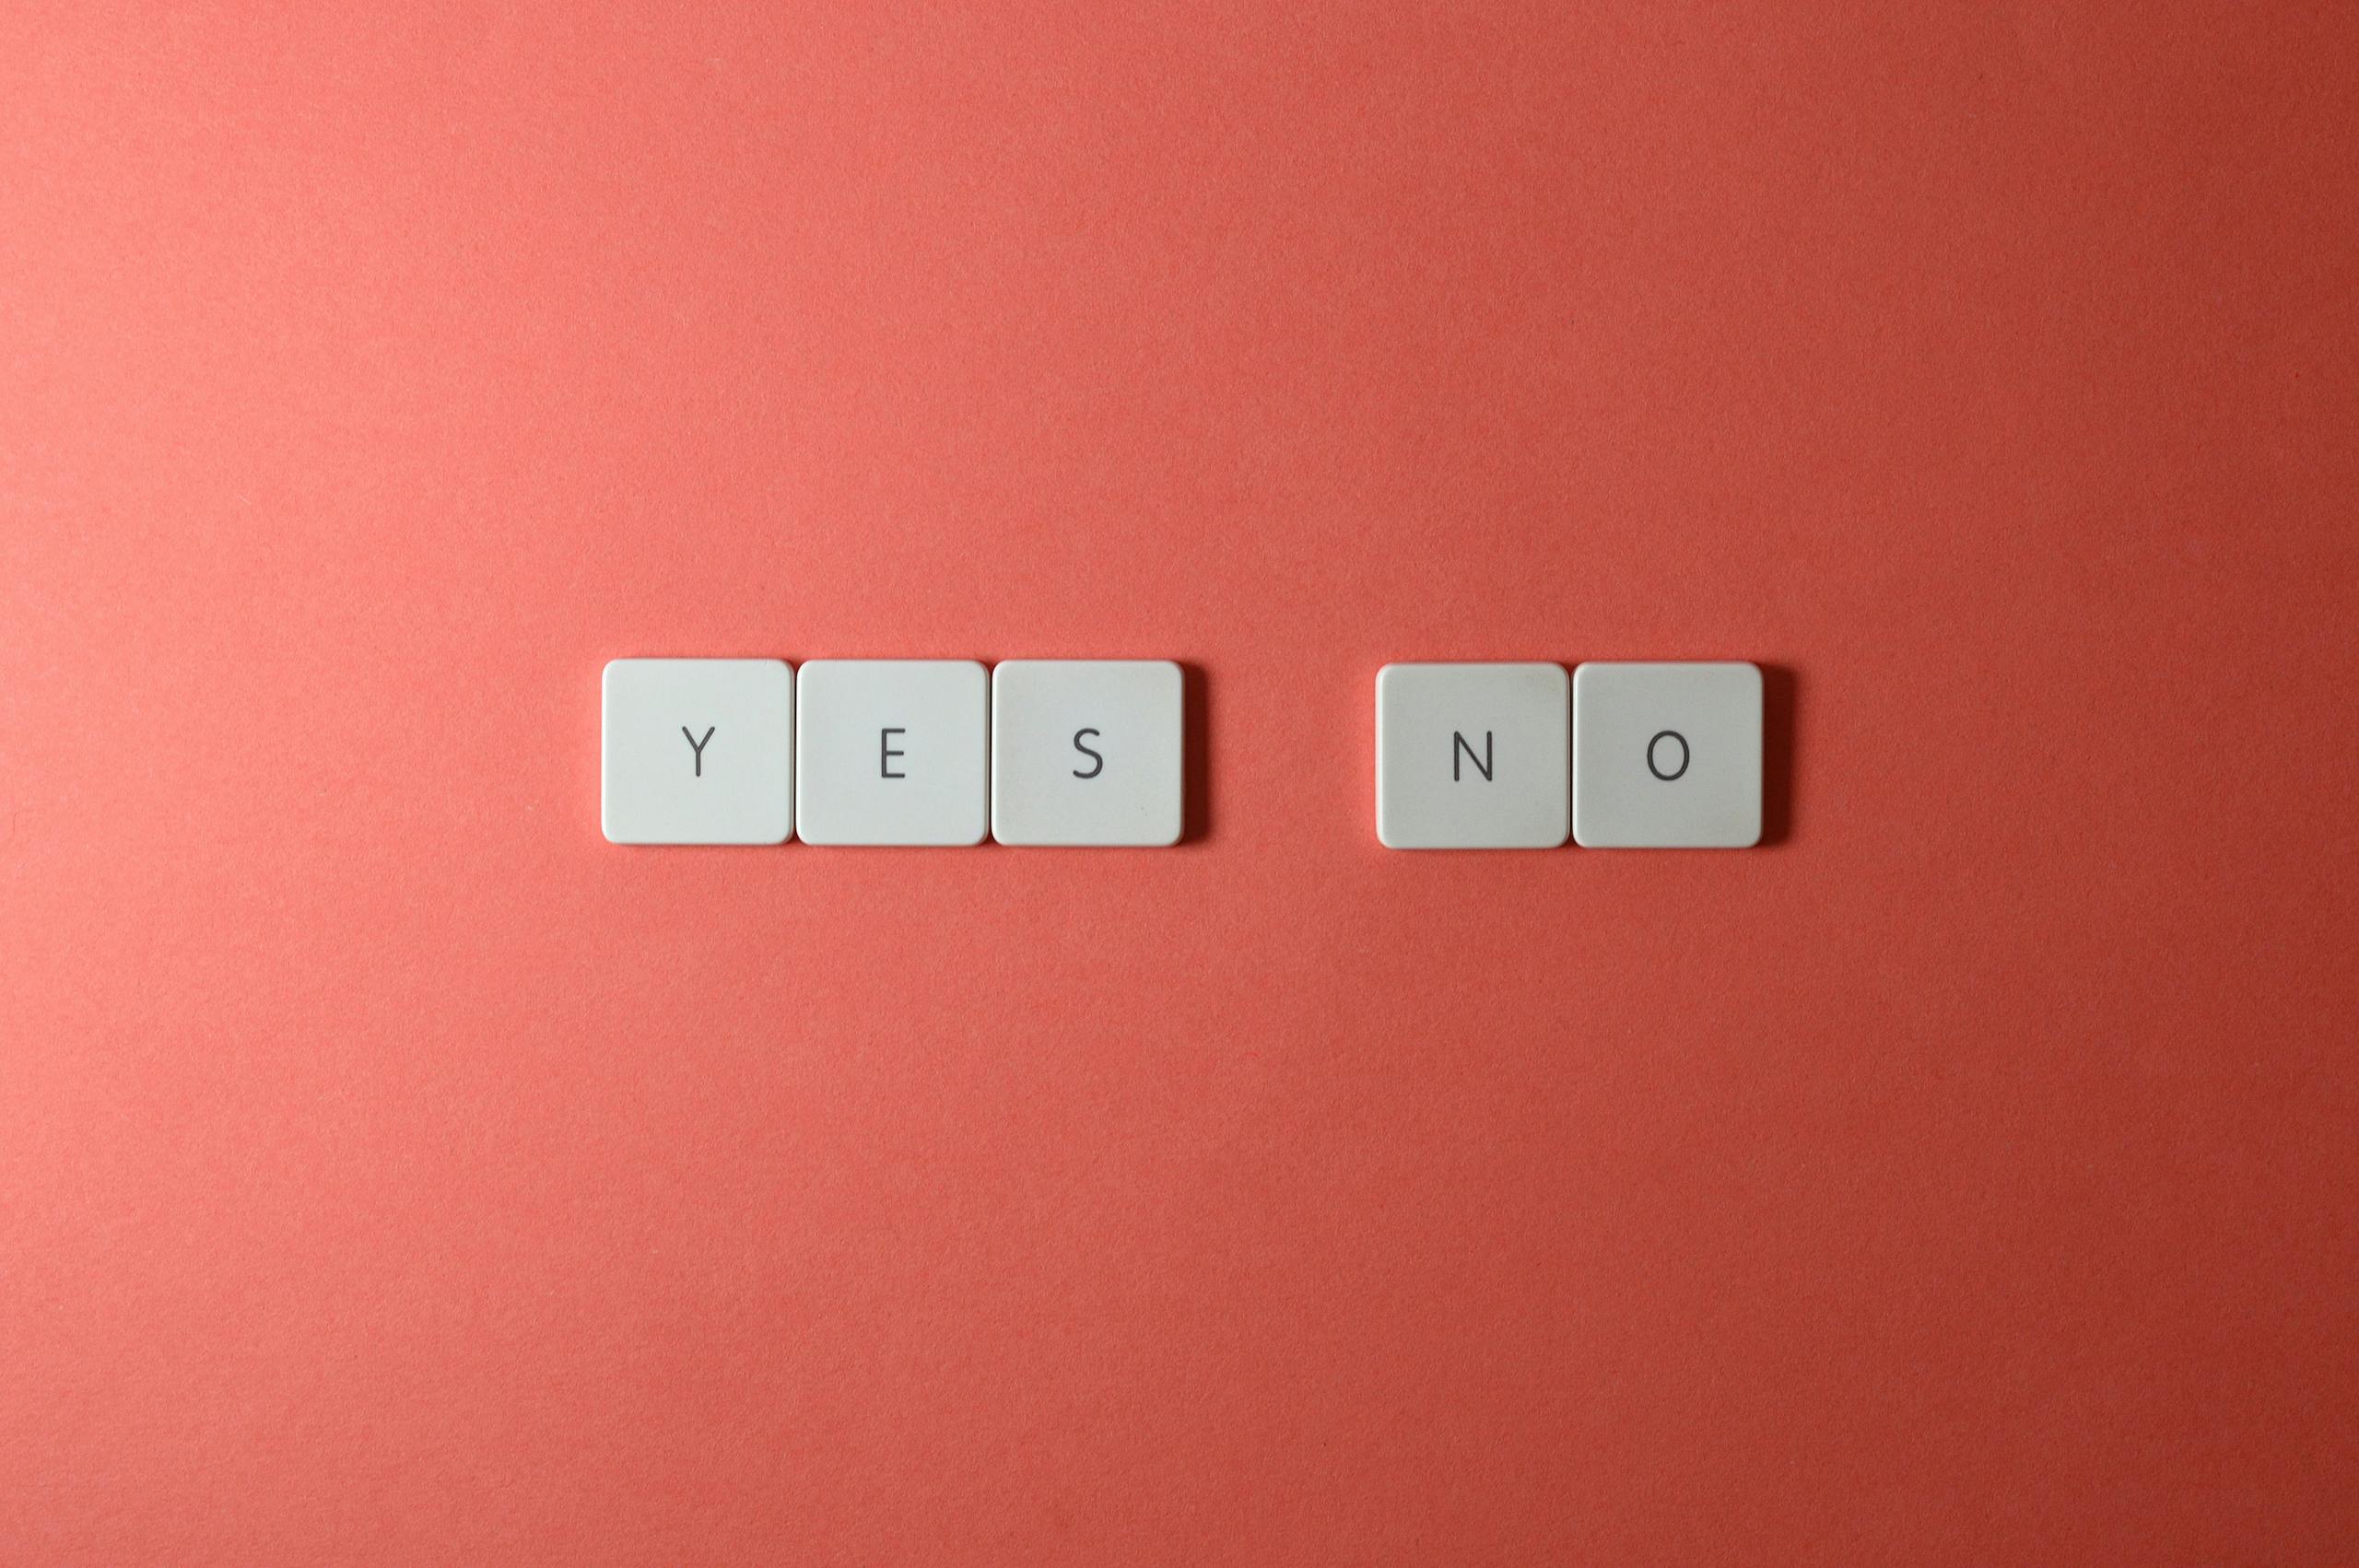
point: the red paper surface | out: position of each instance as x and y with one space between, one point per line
391 1170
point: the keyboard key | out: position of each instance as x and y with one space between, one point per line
1666 757
1085 751
891 750
697 750
1472 756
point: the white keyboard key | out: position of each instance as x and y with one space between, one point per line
1666 757
1085 751
891 750
1472 756
697 750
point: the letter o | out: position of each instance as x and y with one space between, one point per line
1661 736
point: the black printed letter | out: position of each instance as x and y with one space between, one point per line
1482 764
1085 750
697 747
886 753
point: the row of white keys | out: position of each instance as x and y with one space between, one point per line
1086 752
892 750
1624 755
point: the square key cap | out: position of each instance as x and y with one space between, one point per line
892 750
697 750
1666 757
1085 751
1472 756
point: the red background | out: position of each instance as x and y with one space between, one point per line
391 1169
